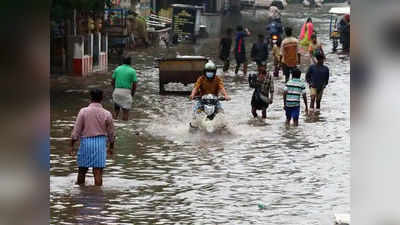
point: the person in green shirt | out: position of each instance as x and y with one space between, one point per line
124 83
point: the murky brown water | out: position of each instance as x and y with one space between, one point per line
162 174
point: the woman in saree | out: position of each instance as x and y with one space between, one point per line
305 35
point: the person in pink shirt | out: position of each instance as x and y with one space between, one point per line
94 126
307 30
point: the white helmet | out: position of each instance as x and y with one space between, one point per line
210 66
210 69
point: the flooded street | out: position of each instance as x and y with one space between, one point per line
162 174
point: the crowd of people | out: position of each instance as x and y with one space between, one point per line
94 126
286 55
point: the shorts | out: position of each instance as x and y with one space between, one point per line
292 112
317 92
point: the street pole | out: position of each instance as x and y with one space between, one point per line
74 22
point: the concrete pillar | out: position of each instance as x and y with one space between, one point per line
235 5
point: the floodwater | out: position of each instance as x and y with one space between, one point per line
162 174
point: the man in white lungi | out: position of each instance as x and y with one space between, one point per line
124 83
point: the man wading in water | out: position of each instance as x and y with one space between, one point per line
93 126
124 83
290 56
317 77
240 49
225 49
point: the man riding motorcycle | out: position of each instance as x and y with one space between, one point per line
275 30
208 83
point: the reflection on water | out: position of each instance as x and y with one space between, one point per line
162 174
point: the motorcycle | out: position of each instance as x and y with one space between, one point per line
208 118
272 39
274 29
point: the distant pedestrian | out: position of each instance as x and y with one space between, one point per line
290 55
317 77
93 127
263 94
344 28
124 83
240 49
294 89
259 51
225 49
130 30
315 48
305 34
276 52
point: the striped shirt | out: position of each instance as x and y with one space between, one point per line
294 88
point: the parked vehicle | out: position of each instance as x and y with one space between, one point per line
336 13
180 69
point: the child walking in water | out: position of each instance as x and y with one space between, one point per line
295 88
276 53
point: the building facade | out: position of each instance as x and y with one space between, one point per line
210 6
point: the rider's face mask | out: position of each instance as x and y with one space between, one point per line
209 75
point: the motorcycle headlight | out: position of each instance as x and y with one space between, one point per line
209 109
274 37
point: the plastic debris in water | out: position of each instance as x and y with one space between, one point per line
261 206
342 219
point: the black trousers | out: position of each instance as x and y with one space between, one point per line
287 70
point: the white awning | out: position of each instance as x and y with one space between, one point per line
340 10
